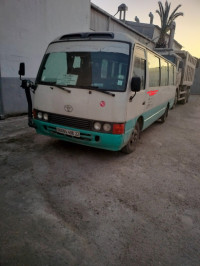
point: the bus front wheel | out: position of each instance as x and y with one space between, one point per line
135 135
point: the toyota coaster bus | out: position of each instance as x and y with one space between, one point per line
99 89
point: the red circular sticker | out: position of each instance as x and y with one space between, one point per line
102 103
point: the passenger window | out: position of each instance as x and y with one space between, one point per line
154 70
171 74
139 66
174 75
164 73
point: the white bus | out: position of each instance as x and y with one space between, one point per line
100 89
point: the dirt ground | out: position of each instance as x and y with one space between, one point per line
66 204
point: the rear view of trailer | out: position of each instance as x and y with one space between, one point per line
187 72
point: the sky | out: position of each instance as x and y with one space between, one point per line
187 27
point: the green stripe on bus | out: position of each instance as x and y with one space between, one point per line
88 138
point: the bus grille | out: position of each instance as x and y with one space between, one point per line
70 121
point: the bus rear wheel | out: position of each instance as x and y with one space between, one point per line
187 95
175 100
165 115
135 135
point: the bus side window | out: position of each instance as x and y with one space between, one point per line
139 66
171 74
154 70
164 73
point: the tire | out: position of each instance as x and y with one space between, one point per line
165 115
175 100
135 135
187 96
184 101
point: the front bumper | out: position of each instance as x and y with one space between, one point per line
88 138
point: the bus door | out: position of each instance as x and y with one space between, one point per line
153 84
136 104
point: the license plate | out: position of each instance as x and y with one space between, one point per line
68 132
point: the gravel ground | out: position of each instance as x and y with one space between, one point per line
66 204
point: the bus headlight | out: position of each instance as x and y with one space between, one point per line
107 127
39 115
97 126
45 116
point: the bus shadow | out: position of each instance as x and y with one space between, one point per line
77 150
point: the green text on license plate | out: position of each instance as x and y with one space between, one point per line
68 132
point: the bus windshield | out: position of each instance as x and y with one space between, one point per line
105 70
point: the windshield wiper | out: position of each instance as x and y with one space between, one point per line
62 88
96 88
56 85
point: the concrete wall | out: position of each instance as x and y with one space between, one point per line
26 29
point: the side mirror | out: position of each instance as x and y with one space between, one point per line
21 71
136 84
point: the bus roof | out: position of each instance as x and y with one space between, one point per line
117 36
103 36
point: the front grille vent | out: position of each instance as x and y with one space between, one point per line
70 121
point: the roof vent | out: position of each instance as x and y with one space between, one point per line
103 35
71 36
87 35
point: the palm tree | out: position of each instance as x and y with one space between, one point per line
166 21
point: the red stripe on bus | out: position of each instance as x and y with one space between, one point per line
151 93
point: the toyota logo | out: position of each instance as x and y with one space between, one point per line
68 108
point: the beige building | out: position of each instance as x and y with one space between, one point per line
145 33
